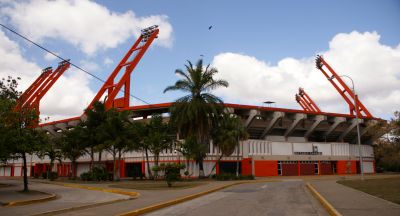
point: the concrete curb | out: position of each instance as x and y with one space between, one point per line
59 211
331 210
187 198
132 194
50 196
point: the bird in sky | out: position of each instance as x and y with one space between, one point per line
209 28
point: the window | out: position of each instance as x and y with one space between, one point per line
279 167
316 168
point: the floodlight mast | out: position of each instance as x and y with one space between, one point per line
302 103
342 88
307 99
34 101
30 99
129 62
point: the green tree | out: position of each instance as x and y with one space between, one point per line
387 148
18 137
193 114
141 130
95 117
51 149
158 138
117 137
227 133
72 146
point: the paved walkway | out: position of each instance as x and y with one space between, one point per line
67 198
13 193
349 201
147 198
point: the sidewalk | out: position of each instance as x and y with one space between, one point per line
349 201
14 193
147 198
67 198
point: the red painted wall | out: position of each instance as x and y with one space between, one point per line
122 168
290 169
307 169
265 168
246 166
346 167
325 168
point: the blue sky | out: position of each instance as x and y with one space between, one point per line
266 30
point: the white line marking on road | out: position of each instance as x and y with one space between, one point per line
264 186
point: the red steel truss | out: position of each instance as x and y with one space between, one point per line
129 62
30 99
342 88
306 102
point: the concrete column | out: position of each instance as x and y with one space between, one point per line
370 126
297 119
252 114
62 126
336 122
50 129
348 129
275 117
318 119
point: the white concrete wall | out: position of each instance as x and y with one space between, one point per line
17 171
281 148
326 149
7 171
368 166
81 168
302 147
340 149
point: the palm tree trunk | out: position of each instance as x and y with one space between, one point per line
91 158
118 177
25 173
148 165
114 153
215 165
73 164
201 169
156 158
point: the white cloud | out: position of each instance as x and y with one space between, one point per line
49 56
107 61
85 24
374 67
67 98
89 66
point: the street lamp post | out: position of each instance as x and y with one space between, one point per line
357 124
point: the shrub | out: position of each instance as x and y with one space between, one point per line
172 172
99 174
53 175
96 174
44 175
86 176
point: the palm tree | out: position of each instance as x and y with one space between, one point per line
227 133
193 114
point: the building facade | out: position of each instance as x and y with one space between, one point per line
282 142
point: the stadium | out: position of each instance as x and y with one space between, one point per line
285 142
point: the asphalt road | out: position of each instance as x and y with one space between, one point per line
275 198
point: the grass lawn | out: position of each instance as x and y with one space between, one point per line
388 188
156 185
